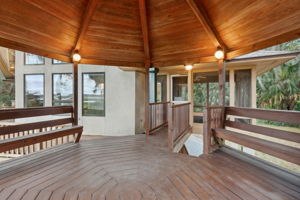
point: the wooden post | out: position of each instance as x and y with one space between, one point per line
206 131
207 93
170 127
221 72
147 122
75 92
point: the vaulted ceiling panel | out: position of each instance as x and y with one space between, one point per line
43 26
175 33
114 33
141 33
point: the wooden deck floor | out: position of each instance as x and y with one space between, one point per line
135 167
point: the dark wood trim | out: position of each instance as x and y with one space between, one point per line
202 15
180 104
284 152
27 140
281 134
33 112
35 125
159 103
145 31
86 18
291 117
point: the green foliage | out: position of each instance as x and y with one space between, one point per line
280 87
7 92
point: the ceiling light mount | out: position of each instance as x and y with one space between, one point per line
219 54
76 56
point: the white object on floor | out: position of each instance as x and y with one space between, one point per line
194 145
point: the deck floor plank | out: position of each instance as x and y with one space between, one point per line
135 167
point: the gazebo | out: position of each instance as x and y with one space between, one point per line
142 35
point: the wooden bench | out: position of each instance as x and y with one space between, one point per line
14 141
219 131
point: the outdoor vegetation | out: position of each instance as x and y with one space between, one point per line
280 87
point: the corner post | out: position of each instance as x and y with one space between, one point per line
206 131
147 122
75 92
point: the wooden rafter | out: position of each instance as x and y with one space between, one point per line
87 16
144 25
202 15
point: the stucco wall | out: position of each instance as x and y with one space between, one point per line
120 95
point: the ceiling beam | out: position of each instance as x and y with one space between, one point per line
202 15
86 18
145 31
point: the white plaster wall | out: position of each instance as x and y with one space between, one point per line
120 100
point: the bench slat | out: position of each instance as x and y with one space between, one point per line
33 112
284 152
27 140
290 117
281 134
35 125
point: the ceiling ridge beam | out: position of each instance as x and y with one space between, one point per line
86 18
145 32
202 15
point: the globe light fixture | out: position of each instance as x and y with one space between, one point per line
76 57
219 54
188 67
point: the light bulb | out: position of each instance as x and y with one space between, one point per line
76 57
188 67
219 54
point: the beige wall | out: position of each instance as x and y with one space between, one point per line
120 96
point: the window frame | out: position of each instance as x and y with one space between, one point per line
52 89
82 95
24 89
52 62
33 64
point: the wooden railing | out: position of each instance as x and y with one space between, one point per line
215 131
34 136
158 115
178 122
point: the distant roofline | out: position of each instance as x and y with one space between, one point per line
245 58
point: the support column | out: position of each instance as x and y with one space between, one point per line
231 88
146 122
191 95
75 92
221 72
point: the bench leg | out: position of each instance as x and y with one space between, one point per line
78 137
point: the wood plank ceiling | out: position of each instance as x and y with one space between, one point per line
143 33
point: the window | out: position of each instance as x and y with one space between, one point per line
31 59
54 62
62 89
180 88
93 89
34 90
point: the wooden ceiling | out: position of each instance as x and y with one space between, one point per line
143 33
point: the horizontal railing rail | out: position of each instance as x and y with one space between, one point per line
219 127
158 115
178 122
24 138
